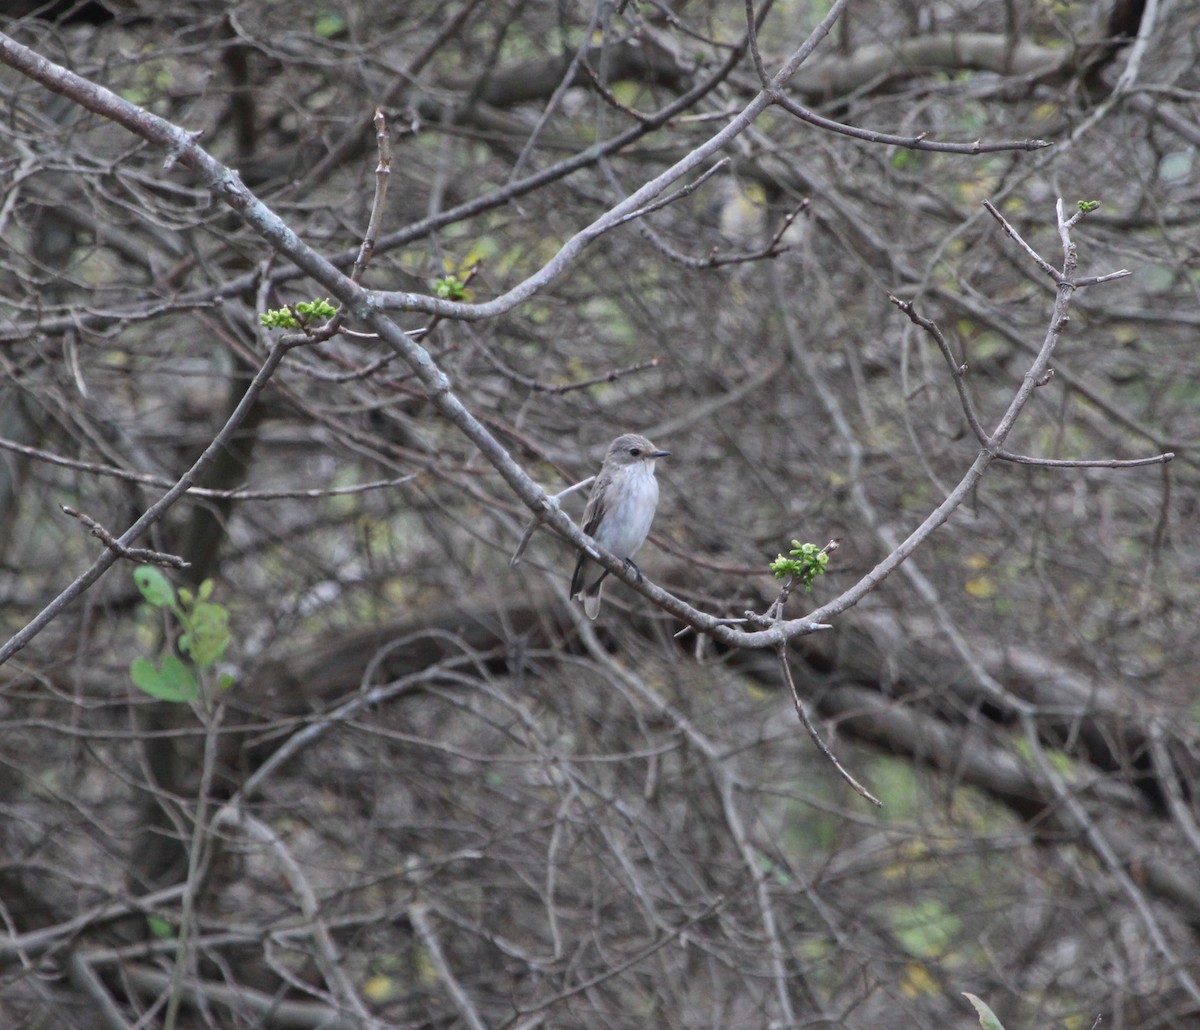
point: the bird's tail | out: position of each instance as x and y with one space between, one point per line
591 599
589 594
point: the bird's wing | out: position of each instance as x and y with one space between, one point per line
594 511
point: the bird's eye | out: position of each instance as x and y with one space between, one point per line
635 451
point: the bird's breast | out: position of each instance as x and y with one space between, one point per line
632 499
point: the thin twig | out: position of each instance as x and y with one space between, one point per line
958 371
715 259
147 479
917 142
610 98
752 24
138 554
383 172
671 198
366 249
418 916
185 949
781 651
1096 463
1041 262
1096 280
538 519
560 388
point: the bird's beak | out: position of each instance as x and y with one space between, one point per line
659 454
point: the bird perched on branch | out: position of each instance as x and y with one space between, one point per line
618 513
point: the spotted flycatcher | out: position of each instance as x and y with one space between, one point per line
618 513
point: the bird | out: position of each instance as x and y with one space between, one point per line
619 511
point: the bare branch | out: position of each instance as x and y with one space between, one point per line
957 370
918 142
1079 463
418 915
781 651
1042 263
679 194
147 479
383 173
138 554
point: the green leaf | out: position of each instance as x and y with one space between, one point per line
807 562
209 634
160 928
308 310
172 682
987 1018
329 24
451 287
155 587
279 318
225 681
311 308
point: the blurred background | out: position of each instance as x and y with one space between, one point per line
504 815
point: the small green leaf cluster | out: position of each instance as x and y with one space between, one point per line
308 310
205 636
806 563
451 287
1088 206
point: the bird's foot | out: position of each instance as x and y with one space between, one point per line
631 565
